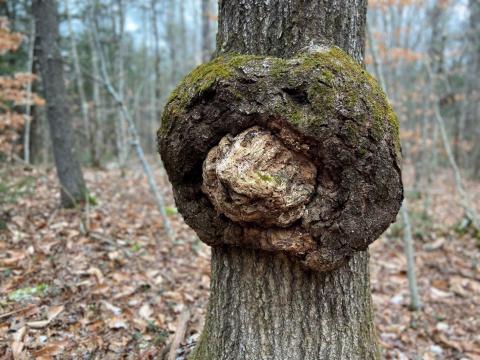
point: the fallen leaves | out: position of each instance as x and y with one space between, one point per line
117 323
65 292
52 313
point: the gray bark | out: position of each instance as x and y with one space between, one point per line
264 305
98 115
281 28
473 85
172 44
157 93
79 78
69 172
206 31
415 302
121 125
28 107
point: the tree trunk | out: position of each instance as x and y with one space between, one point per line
28 107
172 43
263 305
157 84
473 85
121 125
98 114
206 32
79 79
69 172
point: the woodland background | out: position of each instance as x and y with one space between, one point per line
103 280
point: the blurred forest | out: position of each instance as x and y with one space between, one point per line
104 279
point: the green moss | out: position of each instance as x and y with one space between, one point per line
362 151
352 132
28 292
278 67
335 84
202 79
269 178
345 84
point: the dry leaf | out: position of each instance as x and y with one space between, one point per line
17 349
146 312
114 309
50 350
97 273
117 323
52 313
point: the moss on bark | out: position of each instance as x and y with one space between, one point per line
332 82
319 103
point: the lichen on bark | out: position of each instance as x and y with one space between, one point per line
320 105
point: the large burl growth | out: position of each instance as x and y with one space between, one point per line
295 155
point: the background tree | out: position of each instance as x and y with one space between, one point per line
70 175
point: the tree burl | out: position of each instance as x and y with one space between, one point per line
297 155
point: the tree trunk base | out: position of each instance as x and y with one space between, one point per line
265 306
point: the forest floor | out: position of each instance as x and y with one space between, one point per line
104 283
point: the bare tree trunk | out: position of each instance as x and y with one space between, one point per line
28 107
69 172
156 97
415 302
206 31
473 83
171 34
40 143
121 128
97 117
185 62
79 79
263 305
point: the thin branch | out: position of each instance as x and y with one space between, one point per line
415 302
470 212
105 80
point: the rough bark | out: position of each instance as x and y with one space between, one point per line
28 106
321 106
266 305
282 28
69 172
473 85
97 114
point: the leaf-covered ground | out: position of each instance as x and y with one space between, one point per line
104 283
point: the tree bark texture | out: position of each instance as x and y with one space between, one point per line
264 305
283 27
69 172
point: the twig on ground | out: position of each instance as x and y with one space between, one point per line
179 334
